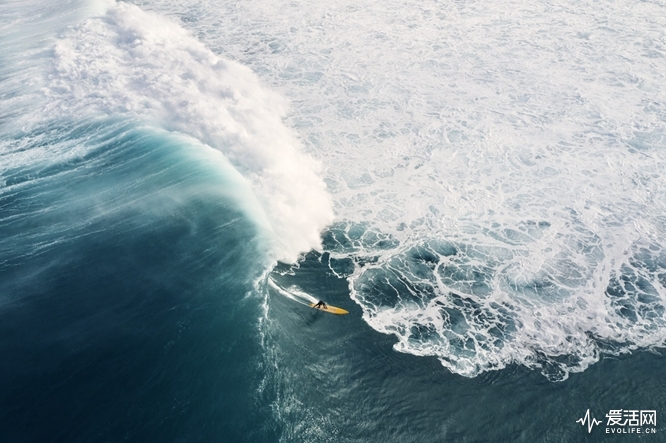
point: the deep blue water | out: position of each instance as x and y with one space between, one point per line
127 315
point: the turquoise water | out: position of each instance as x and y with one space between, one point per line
117 322
483 191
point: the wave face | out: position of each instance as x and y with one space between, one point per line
124 281
497 178
146 185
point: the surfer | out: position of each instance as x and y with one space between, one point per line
320 304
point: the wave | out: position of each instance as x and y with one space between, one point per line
493 211
129 64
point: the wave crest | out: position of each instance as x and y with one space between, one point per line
128 62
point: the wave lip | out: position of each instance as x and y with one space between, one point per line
128 62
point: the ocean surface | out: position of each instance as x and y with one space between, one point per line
482 185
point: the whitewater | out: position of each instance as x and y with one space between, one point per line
496 171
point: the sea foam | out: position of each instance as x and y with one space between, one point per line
497 168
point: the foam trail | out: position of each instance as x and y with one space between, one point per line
133 64
293 293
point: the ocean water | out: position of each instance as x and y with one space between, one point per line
480 184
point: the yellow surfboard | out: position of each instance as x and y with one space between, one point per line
331 309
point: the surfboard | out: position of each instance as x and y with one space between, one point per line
331 309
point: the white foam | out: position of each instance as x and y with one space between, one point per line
127 62
293 293
530 136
